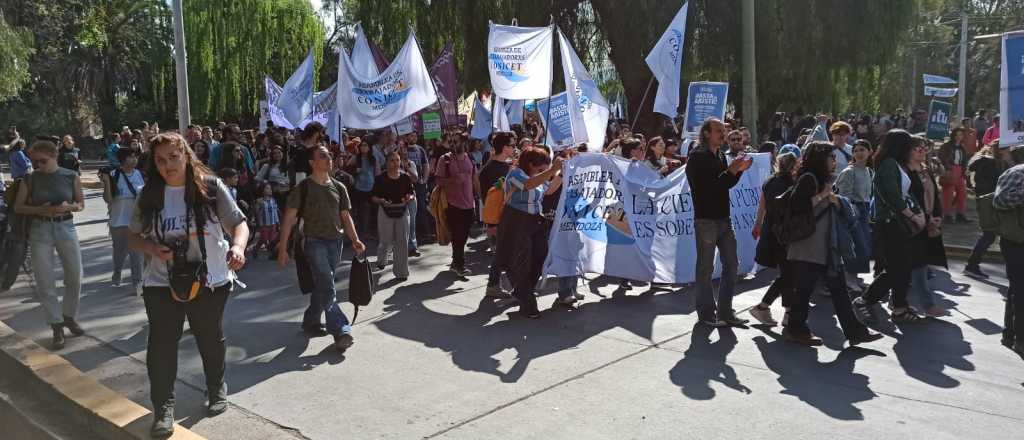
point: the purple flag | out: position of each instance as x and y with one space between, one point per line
443 73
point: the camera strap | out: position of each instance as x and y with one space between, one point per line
185 279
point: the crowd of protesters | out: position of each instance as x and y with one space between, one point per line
186 210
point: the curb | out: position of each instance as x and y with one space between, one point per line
108 414
963 252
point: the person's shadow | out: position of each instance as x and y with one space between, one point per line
705 362
831 387
925 351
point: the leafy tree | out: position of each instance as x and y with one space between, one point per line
16 45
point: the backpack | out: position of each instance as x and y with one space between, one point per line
494 203
1008 224
360 283
793 220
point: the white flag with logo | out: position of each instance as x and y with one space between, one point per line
296 99
519 60
665 61
588 108
362 57
399 91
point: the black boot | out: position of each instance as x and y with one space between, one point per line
73 326
218 400
58 336
163 420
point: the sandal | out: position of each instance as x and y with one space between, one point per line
907 316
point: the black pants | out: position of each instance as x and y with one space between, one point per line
783 286
459 222
166 318
1013 326
896 262
14 252
523 252
807 276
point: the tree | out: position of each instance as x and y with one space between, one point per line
16 45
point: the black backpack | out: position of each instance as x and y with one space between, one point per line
793 220
361 285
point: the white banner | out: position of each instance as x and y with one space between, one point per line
273 91
519 60
482 123
940 92
296 99
323 106
588 108
1011 91
399 91
618 218
936 79
665 61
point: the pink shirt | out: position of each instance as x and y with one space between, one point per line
459 187
991 134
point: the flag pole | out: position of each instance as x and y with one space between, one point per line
636 117
551 84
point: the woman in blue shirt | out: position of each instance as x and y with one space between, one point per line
20 163
523 231
366 171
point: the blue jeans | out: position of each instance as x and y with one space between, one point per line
45 239
919 288
323 256
711 235
566 286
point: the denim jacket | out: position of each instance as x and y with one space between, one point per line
842 238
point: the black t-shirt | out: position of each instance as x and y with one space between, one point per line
490 174
394 191
299 157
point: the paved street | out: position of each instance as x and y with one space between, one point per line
434 359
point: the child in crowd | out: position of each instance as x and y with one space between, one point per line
268 220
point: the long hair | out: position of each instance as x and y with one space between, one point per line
151 200
705 130
895 144
649 154
784 164
815 161
227 156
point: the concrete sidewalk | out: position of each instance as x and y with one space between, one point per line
434 359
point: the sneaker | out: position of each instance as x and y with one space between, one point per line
218 401
736 321
115 284
960 218
763 315
163 421
73 326
414 253
715 323
380 267
624 285
58 336
807 339
863 310
496 292
974 271
137 289
785 319
578 296
936 311
566 301
343 342
401 279
459 270
868 336
319 330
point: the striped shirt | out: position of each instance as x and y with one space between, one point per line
528 201
268 213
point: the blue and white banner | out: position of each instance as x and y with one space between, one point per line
323 106
296 99
936 79
273 91
704 100
940 92
588 107
557 119
617 217
519 60
483 123
666 62
399 91
514 110
499 118
362 56
1011 91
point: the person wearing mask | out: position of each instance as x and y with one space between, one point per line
815 256
392 192
927 248
1009 196
769 252
183 196
523 230
986 166
893 240
121 189
50 195
492 175
456 175
954 183
710 181
854 183
68 156
323 206
843 152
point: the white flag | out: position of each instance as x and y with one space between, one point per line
362 57
399 91
514 109
482 124
323 106
588 108
273 91
936 79
500 115
665 61
296 100
519 60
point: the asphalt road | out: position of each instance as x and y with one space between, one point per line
434 359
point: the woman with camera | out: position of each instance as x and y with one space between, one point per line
181 220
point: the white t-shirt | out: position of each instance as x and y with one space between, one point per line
123 204
172 223
841 159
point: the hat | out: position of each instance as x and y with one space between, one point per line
790 148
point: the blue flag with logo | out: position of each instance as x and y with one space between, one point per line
296 98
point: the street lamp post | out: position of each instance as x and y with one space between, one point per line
181 67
